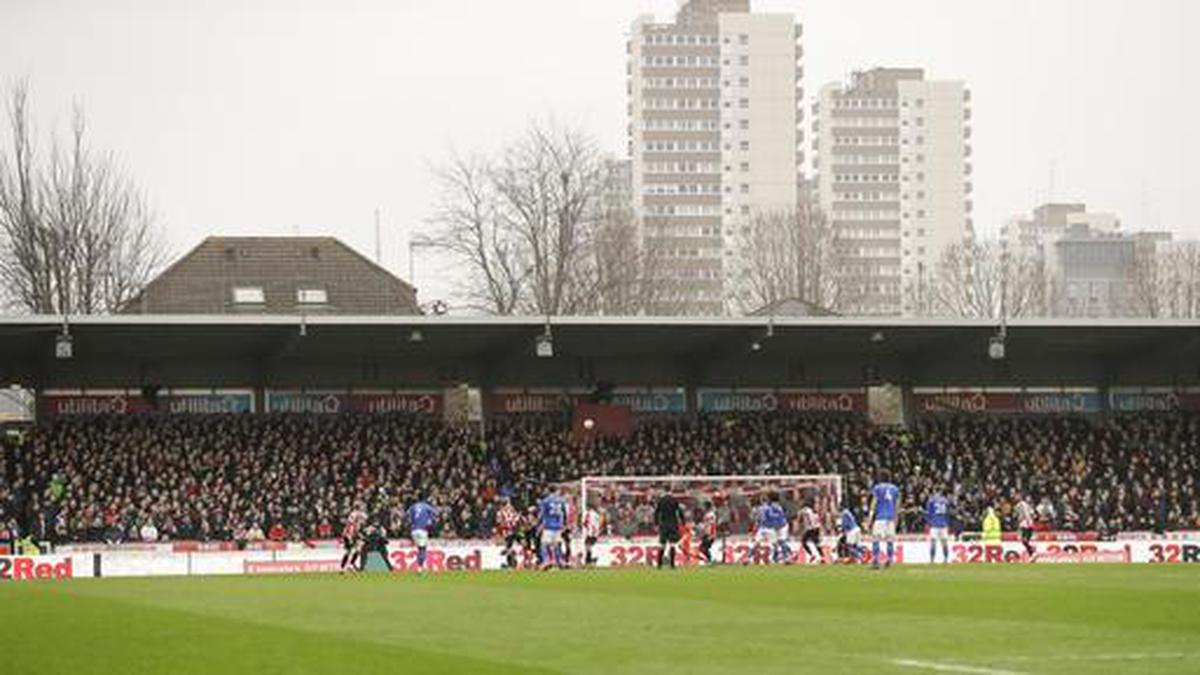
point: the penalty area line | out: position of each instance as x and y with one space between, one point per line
1130 656
951 667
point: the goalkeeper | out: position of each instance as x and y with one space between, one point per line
668 515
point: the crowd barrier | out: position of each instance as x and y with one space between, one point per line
476 555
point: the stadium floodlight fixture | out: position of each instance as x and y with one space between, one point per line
996 348
878 337
416 335
63 347
544 345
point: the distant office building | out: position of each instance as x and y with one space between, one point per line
616 197
1048 222
1090 263
715 136
892 159
1092 272
275 275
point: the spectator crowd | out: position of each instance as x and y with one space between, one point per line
288 477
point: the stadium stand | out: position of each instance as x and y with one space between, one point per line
295 476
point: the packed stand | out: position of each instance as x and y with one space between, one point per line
289 477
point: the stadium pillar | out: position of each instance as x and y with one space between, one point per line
691 389
908 405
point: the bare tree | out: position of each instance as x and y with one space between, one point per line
789 255
539 230
1165 280
76 235
982 279
469 228
549 183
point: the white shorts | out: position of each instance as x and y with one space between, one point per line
942 533
765 535
551 537
853 537
884 529
420 538
781 533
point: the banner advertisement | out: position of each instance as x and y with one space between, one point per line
37 568
290 566
644 403
227 403
1158 401
726 400
1008 402
332 403
526 403
532 403
479 555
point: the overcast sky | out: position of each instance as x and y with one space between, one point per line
303 116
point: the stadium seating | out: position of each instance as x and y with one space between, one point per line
244 477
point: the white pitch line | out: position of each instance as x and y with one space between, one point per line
951 667
1132 656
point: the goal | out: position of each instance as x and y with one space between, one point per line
627 502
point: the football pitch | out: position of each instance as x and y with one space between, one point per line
988 620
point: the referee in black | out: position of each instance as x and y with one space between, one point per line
668 514
375 540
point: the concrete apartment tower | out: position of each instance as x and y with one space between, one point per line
893 174
715 137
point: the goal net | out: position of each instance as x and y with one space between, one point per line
626 503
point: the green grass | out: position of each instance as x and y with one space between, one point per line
1015 619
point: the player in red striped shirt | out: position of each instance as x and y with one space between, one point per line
508 527
708 533
351 540
810 523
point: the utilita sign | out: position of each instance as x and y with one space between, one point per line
421 403
1009 402
1052 403
717 400
530 403
59 405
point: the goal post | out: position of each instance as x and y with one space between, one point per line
626 503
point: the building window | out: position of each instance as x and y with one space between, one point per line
248 295
743 124
744 39
744 145
311 296
744 60
745 166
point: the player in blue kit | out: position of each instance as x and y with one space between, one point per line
552 517
848 544
937 517
885 506
421 517
764 535
775 518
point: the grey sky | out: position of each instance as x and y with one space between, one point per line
282 116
